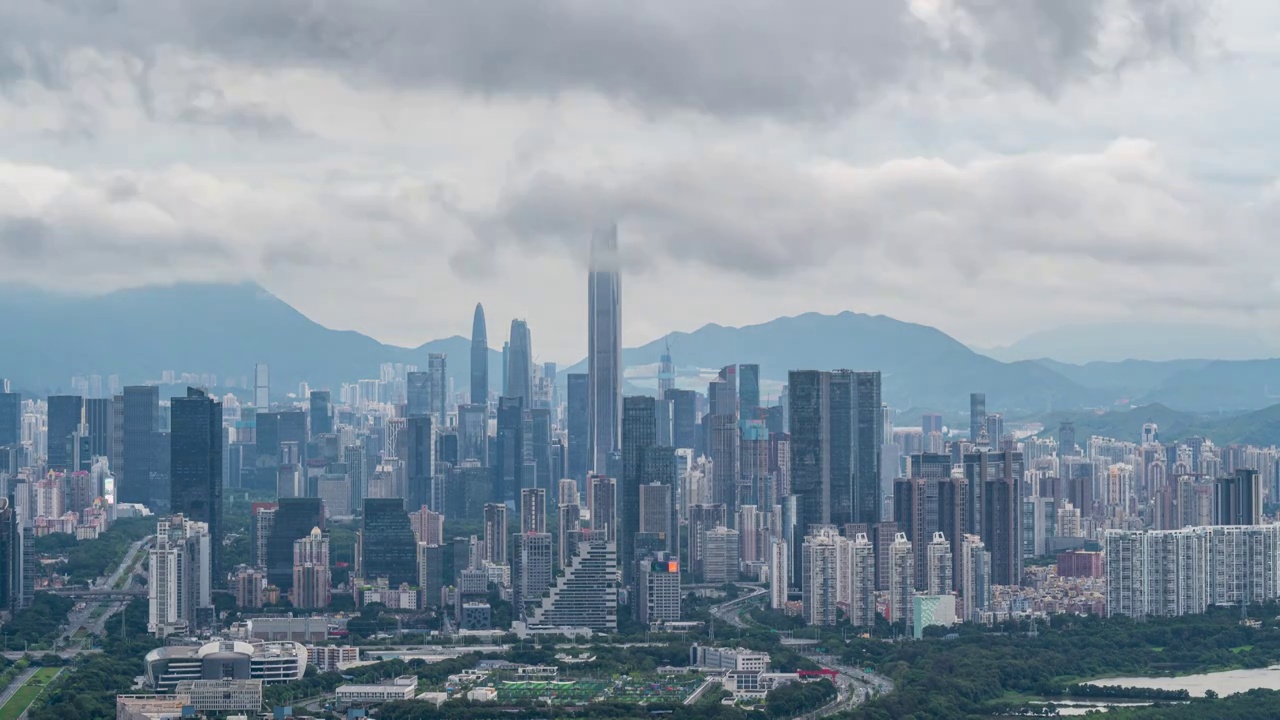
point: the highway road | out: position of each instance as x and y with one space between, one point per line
731 610
17 683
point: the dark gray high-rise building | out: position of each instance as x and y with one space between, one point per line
98 421
388 548
420 463
509 465
540 445
321 413
10 419
520 364
579 421
417 394
684 418
293 520
1238 499
807 398
822 427
868 440
1066 438
748 390
980 467
65 413
930 423
1002 528
842 417
639 433
977 415
273 431
141 423
195 466
479 359
604 350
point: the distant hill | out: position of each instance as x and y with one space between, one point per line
223 330
198 328
922 366
1142 340
1260 427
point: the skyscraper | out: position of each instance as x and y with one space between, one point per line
141 423
495 533
901 579
437 388
862 581
748 390
586 594
311 571
10 419
867 445
417 394
639 433
533 510
180 576
822 416
1002 528
12 557
261 386
388 548
578 411
532 568
604 351
473 434
1066 438
292 520
666 372
684 418
520 364
509 465
321 413
195 465
540 444
820 556
65 415
97 420
420 461
1238 499
657 514
479 359
977 415
602 495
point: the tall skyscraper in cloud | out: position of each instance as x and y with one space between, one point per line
520 363
604 346
479 358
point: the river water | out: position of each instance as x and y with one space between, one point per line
1227 682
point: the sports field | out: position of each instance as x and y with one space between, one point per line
578 692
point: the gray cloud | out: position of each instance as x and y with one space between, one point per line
811 58
766 220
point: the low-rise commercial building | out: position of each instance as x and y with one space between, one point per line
728 659
402 688
270 662
219 697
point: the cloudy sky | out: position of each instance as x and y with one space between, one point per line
989 167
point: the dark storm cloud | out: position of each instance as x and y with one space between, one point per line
739 57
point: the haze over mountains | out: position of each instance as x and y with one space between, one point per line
224 329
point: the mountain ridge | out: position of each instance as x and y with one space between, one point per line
223 329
